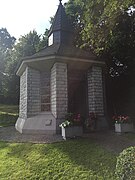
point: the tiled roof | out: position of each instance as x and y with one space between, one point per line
63 50
61 21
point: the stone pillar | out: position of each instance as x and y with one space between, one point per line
29 99
59 99
29 93
96 95
23 95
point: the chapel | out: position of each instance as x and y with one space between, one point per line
58 79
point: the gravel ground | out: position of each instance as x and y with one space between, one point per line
108 139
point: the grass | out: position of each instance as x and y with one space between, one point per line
75 159
9 108
8 115
70 160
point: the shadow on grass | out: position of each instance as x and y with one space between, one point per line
81 153
89 155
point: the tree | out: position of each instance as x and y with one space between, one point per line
6 44
75 11
6 40
27 45
99 26
108 28
43 40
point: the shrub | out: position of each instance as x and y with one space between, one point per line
125 166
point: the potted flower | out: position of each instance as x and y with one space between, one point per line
72 126
123 124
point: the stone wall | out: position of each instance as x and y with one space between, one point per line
33 89
95 91
23 95
59 99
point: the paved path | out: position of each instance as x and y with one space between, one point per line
10 134
109 140
112 141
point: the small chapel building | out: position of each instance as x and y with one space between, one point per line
58 79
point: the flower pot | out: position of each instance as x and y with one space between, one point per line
70 132
124 127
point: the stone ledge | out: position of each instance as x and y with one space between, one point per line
37 124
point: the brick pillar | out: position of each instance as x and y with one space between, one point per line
29 93
59 99
96 94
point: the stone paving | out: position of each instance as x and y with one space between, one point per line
113 142
10 134
110 140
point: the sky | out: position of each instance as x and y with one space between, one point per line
22 16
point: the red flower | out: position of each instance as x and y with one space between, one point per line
121 119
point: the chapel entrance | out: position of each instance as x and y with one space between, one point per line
77 93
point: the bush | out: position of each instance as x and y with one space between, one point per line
125 166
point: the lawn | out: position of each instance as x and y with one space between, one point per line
8 115
70 160
80 159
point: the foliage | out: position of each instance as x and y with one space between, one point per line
6 40
71 119
125 166
43 40
26 45
29 44
75 10
108 29
6 44
65 124
76 159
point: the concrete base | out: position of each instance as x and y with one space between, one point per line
44 123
